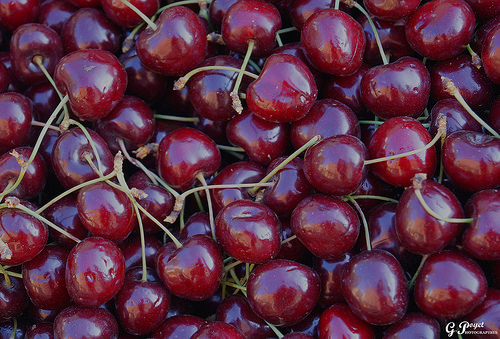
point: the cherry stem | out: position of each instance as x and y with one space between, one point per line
232 265
182 3
367 196
24 168
234 93
14 329
91 142
419 268
144 17
6 276
202 180
128 42
181 82
476 60
136 162
145 150
283 31
239 287
363 220
293 237
14 274
453 90
292 156
254 65
42 124
199 202
337 4
375 33
231 148
176 118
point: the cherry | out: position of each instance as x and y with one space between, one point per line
214 129
398 135
44 100
330 272
336 165
308 326
4 78
22 237
193 271
39 315
94 80
34 178
44 278
15 120
13 298
414 324
132 251
262 140
495 114
82 322
301 10
326 118
68 157
484 9
284 91
16 13
248 231
334 42
34 40
254 20
135 273
372 185
392 11
184 154
217 330
176 46
420 232
479 239
217 10
198 223
430 34
55 13
39 331
123 16
463 161
275 281
338 321
179 326
95 271
487 312
291 249
400 88
295 335
489 55
457 118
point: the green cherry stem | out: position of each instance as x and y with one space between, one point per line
8 283
176 118
234 93
136 162
368 196
182 81
364 222
143 16
414 278
203 182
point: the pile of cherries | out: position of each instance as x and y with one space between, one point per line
249 169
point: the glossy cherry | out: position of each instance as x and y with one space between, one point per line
339 321
44 100
487 313
16 13
198 223
81 322
217 330
123 16
4 78
55 13
457 118
390 10
414 324
179 326
13 298
490 56
292 249
330 272
15 120
372 185
39 331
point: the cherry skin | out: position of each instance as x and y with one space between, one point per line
215 129
82 322
389 10
479 238
338 321
39 331
217 10
468 160
484 9
336 165
15 120
495 115
289 101
7 329
457 118
185 153
217 330
291 249
123 16
94 80
334 42
301 10
193 271
430 34
23 237
326 118
372 185
487 313
44 100
399 135
330 272
132 251
414 324
420 232
450 285
490 56
55 13
247 20
50 291
178 44
13 298
262 140
32 40
179 326
248 231
277 281
4 78
68 157
401 88
95 272
16 13
198 223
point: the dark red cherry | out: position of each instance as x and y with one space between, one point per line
185 153
178 45
450 285
301 10
417 325
470 160
336 165
40 331
4 78
193 271
8 330
326 118
13 298
22 237
391 10
217 10
141 306
85 3
123 16
319 217
15 120
480 238
105 211
292 249
485 9
330 272
338 321
131 121
247 20
198 223
89 28
457 118
34 178
296 335
375 287
14 13
44 100
135 273
95 271
34 40
486 313
68 157
399 135
285 90
40 315
262 140
420 232
55 13
132 251
490 56
334 42
94 80
82 322
44 278
430 34
372 185
248 231
217 330
495 115
214 129
179 326
400 88
283 292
